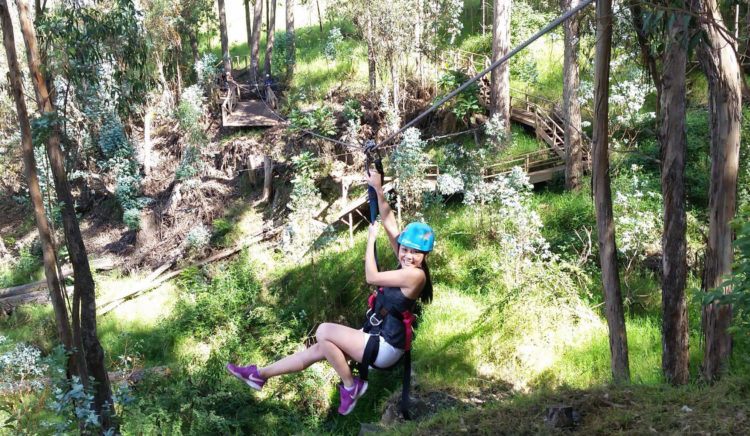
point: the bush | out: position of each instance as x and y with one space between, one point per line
189 114
302 230
189 165
320 120
132 219
466 104
409 162
206 70
198 237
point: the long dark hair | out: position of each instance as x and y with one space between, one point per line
426 295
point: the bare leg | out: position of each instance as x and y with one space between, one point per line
294 363
335 342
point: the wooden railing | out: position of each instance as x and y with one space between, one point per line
529 162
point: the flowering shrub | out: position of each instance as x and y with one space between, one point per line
506 200
461 168
638 216
335 38
496 132
21 363
409 162
302 230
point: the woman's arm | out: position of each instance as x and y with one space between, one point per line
386 213
410 280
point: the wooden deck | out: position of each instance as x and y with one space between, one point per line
250 113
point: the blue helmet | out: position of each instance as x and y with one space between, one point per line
418 236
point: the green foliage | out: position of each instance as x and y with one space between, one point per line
352 109
132 219
189 114
735 290
320 120
189 165
465 106
206 70
84 52
198 237
568 220
25 269
333 43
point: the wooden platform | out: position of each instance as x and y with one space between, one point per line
250 113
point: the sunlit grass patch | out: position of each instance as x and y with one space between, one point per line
446 346
32 324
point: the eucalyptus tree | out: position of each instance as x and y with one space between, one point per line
290 49
84 293
227 61
571 105
255 39
673 138
49 256
500 77
718 59
270 30
248 23
618 341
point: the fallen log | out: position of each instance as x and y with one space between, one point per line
67 270
109 306
9 304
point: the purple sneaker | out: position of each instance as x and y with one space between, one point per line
350 396
248 374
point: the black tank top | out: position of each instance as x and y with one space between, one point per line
392 328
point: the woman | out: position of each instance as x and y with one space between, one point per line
400 289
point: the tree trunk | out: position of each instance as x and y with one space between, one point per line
248 24
194 47
255 43
45 235
673 138
719 62
571 106
270 35
267 177
371 64
84 288
147 144
618 341
500 78
224 39
320 16
648 59
291 55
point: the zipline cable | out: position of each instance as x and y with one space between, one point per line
559 20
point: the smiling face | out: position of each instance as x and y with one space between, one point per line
409 257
